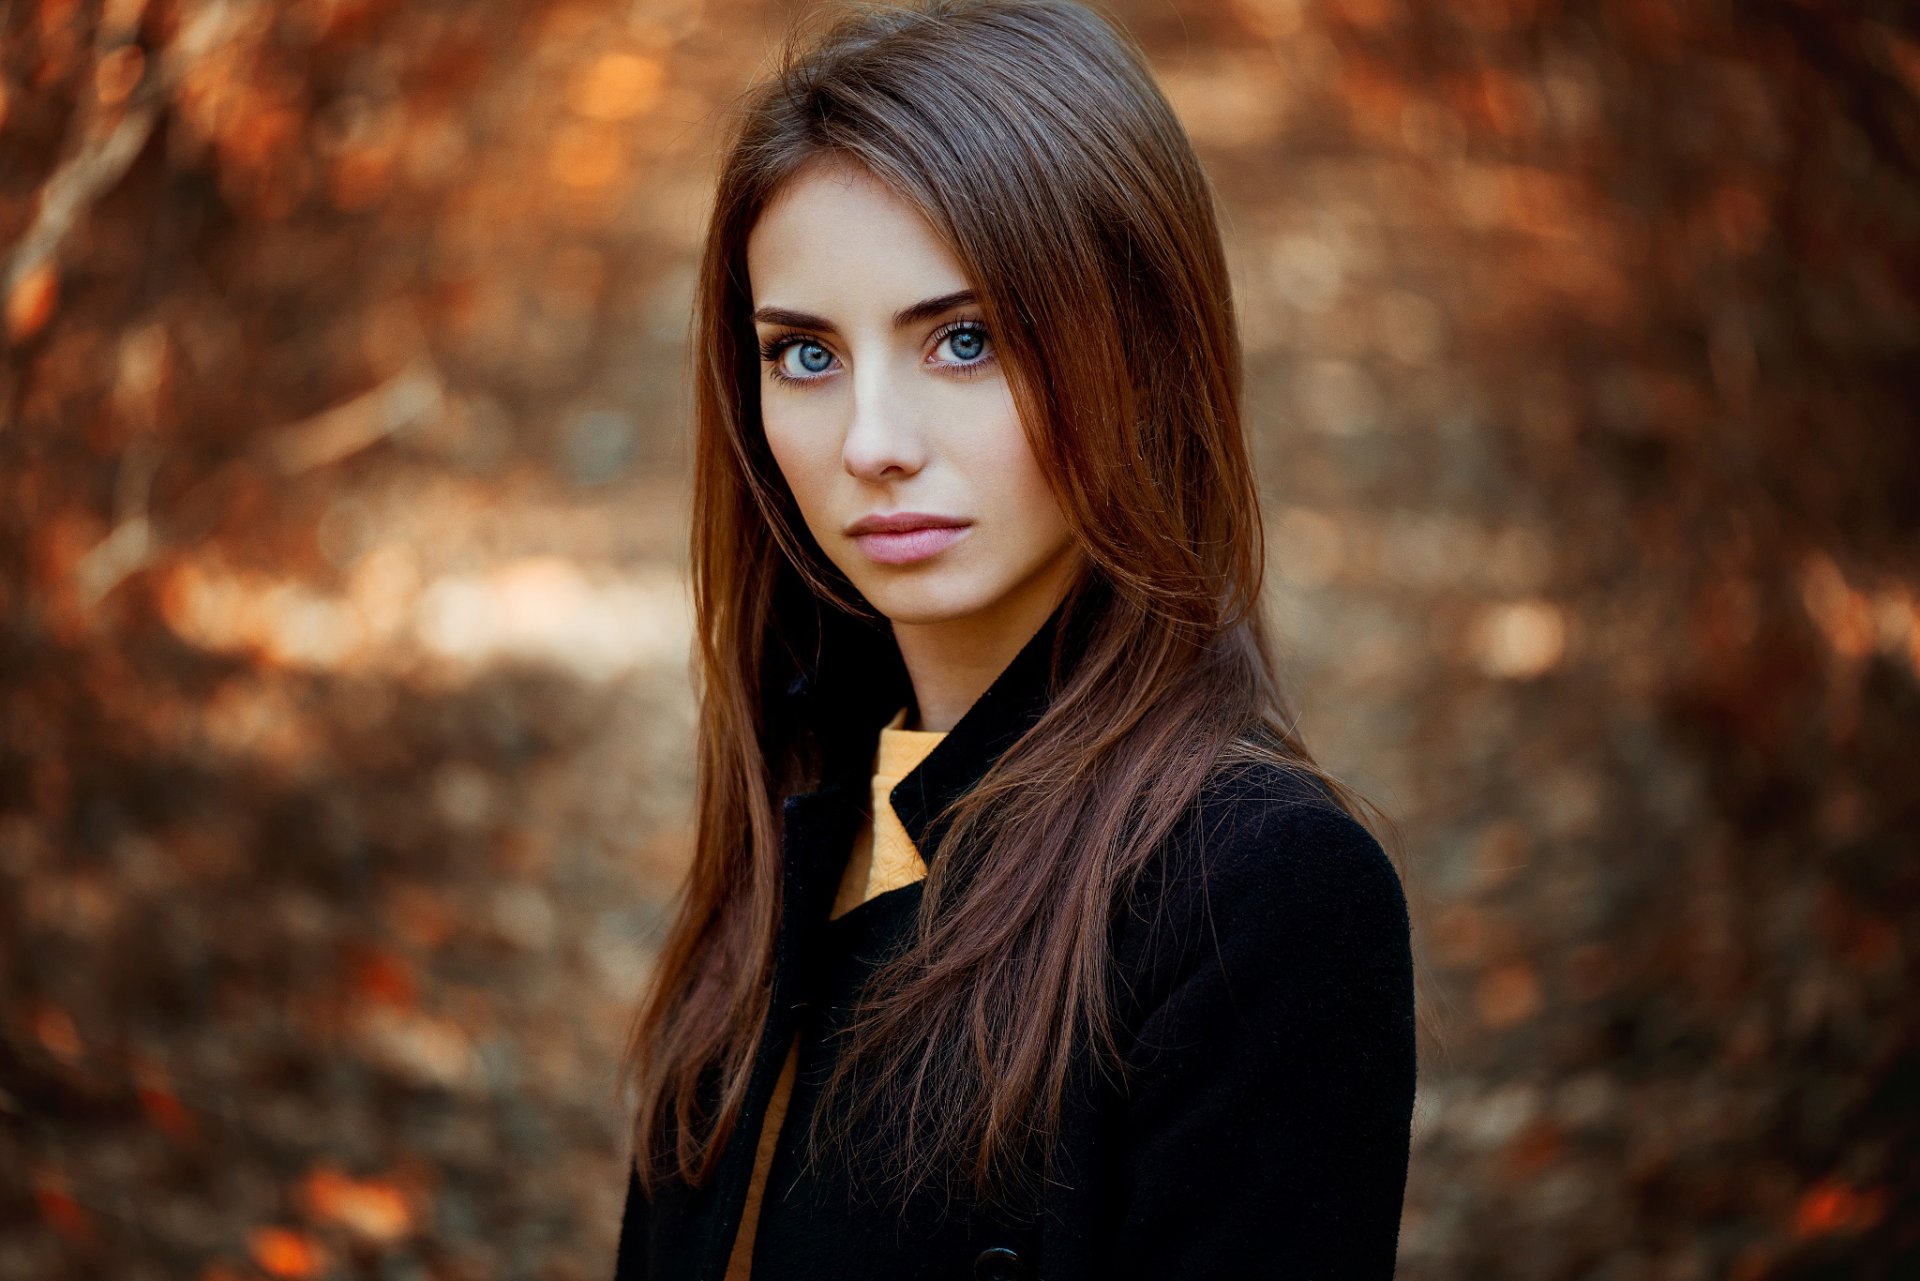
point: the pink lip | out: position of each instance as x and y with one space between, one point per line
906 537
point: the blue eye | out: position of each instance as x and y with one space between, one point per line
814 360
968 344
967 340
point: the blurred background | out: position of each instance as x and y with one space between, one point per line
344 715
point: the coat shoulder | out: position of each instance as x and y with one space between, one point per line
1265 864
1265 828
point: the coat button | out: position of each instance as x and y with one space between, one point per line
997 1264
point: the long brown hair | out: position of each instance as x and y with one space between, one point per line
1032 136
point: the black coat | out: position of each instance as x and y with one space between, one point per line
1270 1019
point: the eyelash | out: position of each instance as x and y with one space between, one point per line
772 349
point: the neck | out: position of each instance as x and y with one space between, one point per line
953 661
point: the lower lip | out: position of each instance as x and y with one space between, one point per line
905 546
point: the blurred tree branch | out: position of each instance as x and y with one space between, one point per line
104 148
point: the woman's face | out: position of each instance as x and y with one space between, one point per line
889 413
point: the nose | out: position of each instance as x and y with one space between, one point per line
883 440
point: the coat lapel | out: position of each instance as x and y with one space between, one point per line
857 681
1006 710
816 829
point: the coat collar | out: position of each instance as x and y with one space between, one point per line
1007 709
848 694
855 683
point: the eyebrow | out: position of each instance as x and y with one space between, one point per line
926 309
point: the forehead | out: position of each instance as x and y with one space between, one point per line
835 238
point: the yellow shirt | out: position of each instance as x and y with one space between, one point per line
883 859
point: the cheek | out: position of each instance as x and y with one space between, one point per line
1011 475
803 461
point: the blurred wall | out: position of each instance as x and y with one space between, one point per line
344 719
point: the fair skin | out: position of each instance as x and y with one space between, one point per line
882 396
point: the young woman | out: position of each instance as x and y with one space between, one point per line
1023 938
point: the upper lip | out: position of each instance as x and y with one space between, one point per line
896 522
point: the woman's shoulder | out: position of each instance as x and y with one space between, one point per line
1268 873
1267 827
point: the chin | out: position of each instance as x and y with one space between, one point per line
918 604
